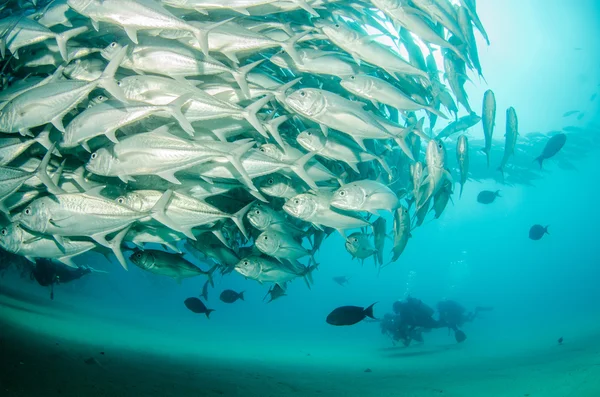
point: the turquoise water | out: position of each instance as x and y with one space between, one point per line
542 61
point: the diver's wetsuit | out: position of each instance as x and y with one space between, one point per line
48 273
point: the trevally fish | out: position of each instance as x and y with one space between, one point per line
167 264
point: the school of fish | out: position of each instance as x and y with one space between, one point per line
240 132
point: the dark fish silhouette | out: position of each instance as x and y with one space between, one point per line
204 293
276 292
487 196
560 340
570 112
196 306
349 315
460 336
537 232
230 296
341 280
552 147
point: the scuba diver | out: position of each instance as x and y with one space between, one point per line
48 273
412 317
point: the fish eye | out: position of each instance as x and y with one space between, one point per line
102 98
94 155
27 211
439 146
4 232
342 193
262 149
257 212
355 240
302 93
121 200
309 133
138 255
352 78
119 83
113 44
246 263
270 181
337 25
265 237
296 201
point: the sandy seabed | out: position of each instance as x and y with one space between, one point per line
58 350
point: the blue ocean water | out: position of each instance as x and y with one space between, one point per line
543 61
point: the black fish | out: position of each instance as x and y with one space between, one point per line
487 196
570 112
230 296
537 232
341 280
460 336
196 305
349 315
204 293
276 292
560 340
552 147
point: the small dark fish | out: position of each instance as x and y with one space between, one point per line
581 116
204 293
368 370
572 128
230 296
553 146
349 315
560 340
593 97
276 292
570 113
537 232
379 236
487 196
196 306
91 361
341 280
460 336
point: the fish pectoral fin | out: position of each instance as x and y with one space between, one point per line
126 178
169 176
95 24
132 34
68 261
57 222
58 124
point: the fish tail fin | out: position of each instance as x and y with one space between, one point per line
208 312
546 229
107 79
241 295
235 158
308 279
202 34
497 193
116 243
210 273
273 128
289 46
158 213
250 111
240 74
174 109
298 168
279 92
540 160
43 139
64 37
42 173
238 218
369 311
